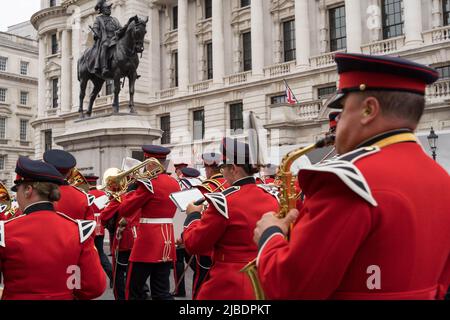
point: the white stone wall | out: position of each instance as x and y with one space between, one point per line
17 49
425 41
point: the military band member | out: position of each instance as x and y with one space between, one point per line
73 202
153 252
178 167
226 227
99 229
215 182
190 178
44 254
375 223
123 237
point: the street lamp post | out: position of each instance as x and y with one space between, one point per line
432 141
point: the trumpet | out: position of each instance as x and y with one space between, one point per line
117 182
6 202
288 199
76 179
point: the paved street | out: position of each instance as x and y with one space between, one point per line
108 295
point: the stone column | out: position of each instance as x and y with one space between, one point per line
155 49
257 29
277 43
436 14
353 25
302 38
413 22
323 30
66 72
183 46
42 88
218 42
373 20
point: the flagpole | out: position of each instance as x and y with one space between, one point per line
287 85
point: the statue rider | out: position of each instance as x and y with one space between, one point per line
105 29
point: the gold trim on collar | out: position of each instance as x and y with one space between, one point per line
398 138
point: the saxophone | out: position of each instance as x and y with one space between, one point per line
288 200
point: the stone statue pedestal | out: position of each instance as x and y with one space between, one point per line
102 142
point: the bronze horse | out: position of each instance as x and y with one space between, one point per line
123 60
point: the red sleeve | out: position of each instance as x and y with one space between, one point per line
134 200
200 235
332 225
93 279
109 211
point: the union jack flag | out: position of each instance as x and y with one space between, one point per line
290 97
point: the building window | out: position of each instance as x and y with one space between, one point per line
444 72
236 118
165 127
54 44
55 93
326 92
289 40
209 60
23 130
199 124
245 3
2 128
48 140
2 162
392 13
208 9
446 12
338 35
278 99
24 68
138 155
23 98
109 87
175 18
2 95
175 69
247 51
3 63
52 3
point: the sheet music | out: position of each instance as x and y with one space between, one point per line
183 198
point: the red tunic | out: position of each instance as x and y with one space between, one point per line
99 229
342 244
228 231
39 254
128 234
74 203
155 240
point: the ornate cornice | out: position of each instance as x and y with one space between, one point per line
46 13
18 78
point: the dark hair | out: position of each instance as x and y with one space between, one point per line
398 104
249 169
47 190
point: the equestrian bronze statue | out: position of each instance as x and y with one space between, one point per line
114 56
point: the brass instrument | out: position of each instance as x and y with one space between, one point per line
6 202
76 179
117 182
288 201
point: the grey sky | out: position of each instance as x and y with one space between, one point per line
16 11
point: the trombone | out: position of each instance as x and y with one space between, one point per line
76 179
117 182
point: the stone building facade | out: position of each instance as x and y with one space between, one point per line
207 63
18 100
